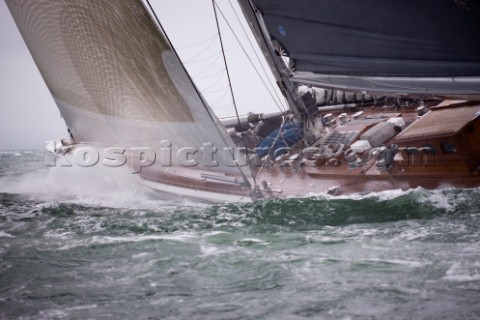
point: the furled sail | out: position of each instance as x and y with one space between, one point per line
115 77
429 47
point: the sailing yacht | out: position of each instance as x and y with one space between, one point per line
391 98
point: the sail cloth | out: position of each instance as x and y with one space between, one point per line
417 46
116 78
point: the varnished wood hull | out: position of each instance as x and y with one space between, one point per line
288 183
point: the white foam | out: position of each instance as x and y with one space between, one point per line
414 233
55 234
210 250
106 240
408 263
140 255
98 186
53 313
214 233
472 248
252 241
381 195
460 273
3 234
446 198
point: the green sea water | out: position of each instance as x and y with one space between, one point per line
81 246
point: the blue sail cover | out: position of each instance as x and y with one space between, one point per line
280 140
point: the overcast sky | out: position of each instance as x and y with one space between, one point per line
30 117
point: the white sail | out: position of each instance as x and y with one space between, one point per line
116 79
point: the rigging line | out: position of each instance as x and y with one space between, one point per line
251 62
209 75
223 106
203 50
215 91
256 54
216 81
220 99
213 118
212 38
192 60
215 7
209 66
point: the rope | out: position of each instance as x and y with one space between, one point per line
209 66
219 90
221 98
202 59
257 56
216 81
223 106
201 52
215 7
209 75
212 39
250 60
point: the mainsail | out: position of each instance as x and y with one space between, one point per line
116 79
429 47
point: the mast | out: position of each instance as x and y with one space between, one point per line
277 65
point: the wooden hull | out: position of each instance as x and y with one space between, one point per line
307 182
301 184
